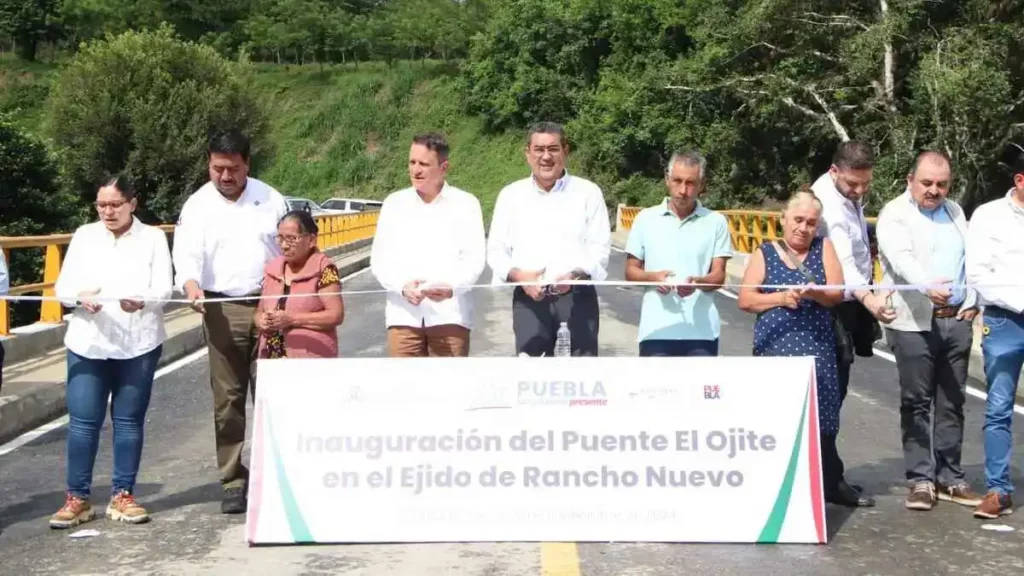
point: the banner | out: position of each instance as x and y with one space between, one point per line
536 450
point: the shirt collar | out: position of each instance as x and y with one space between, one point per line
441 196
828 186
698 211
560 184
131 231
926 212
1013 205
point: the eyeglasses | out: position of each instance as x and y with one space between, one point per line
101 206
289 239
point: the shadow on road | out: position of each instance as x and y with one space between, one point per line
196 495
39 507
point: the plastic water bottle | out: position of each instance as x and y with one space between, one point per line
563 345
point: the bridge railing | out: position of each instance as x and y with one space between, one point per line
750 228
333 231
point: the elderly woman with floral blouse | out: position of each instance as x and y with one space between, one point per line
305 308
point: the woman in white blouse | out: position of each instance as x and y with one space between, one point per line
116 275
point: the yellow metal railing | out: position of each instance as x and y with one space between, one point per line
749 229
333 231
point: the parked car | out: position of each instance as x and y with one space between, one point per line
351 205
305 204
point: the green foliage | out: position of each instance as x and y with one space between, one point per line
346 133
23 87
30 203
764 88
28 23
144 103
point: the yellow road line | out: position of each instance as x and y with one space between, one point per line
559 559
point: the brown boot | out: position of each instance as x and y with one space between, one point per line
993 506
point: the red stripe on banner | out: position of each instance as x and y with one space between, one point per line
814 461
256 477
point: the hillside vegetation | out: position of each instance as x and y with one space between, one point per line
345 132
340 131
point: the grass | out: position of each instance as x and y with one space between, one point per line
345 132
23 89
342 131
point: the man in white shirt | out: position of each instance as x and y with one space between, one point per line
226 234
995 267
546 229
841 191
428 249
921 241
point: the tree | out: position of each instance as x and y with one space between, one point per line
31 204
28 22
144 103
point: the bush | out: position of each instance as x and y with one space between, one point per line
144 103
30 204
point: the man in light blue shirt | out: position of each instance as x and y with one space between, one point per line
681 243
5 287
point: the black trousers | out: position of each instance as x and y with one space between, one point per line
1 364
859 326
536 323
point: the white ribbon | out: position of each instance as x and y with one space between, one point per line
596 283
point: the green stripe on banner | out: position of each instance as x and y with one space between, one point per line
300 532
773 527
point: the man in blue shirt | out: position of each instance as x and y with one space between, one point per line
681 243
5 287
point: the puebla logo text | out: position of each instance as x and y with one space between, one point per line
562 392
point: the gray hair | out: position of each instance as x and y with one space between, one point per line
546 128
688 158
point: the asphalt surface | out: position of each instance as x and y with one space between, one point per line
178 485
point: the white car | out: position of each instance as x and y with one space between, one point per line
305 204
350 205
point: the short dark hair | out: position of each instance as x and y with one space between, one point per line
230 141
854 155
435 142
1013 158
122 184
928 153
546 128
305 220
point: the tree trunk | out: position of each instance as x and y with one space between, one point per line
26 48
890 57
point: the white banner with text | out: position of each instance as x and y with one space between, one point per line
536 449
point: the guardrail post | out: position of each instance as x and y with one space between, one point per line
50 311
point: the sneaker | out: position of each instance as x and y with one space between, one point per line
922 496
993 506
75 511
960 493
233 502
124 508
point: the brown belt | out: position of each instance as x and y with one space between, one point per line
945 312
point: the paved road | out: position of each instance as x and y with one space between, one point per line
178 484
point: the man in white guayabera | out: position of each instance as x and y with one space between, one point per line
549 228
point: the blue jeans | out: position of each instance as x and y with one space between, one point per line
1002 344
127 384
679 348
